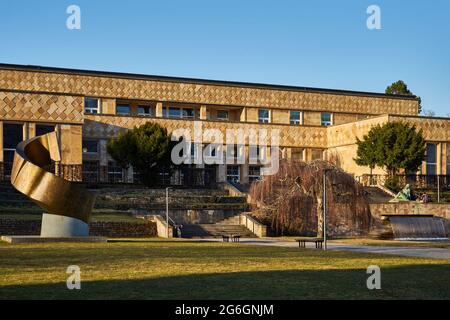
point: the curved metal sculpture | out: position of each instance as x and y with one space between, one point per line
67 206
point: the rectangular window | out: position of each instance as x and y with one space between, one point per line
233 174
91 171
222 115
91 105
316 154
295 117
42 129
177 112
254 173
145 111
431 158
123 109
188 113
298 154
263 116
115 172
12 136
90 146
174 113
326 119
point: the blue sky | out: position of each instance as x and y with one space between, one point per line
308 43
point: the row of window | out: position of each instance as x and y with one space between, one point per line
116 174
92 105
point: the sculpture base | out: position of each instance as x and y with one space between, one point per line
38 239
62 227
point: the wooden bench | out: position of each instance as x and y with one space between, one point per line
302 242
233 237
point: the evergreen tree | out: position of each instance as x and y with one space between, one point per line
400 87
394 146
147 148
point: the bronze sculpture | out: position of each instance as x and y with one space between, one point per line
67 205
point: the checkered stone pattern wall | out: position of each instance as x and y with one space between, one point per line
114 87
434 129
346 134
106 126
41 107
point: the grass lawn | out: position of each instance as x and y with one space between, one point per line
179 269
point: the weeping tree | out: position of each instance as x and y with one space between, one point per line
291 201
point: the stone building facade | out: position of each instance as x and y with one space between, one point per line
87 108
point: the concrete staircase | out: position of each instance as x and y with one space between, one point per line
226 226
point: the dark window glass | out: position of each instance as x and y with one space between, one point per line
431 159
222 115
295 117
42 129
144 111
12 135
325 119
91 105
431 153
91 171
263 116
123 109
188 113
115 172
90 146
174 113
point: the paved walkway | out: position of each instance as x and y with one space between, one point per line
434 253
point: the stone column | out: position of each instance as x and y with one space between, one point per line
103 160
31 130
439 158
159 110
444 158
203 113
221 173
71 151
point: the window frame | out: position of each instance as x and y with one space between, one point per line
298 121
144 114
118 105
89 152
227 118
263 119
326 123
89 109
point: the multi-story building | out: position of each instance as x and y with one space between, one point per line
87 108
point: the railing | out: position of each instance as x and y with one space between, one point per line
416 181
182 177
258 229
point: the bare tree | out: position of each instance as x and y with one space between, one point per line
292 200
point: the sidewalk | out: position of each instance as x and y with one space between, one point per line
434 253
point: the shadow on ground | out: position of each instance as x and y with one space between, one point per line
406 282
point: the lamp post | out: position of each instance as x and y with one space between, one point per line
324 211
167 210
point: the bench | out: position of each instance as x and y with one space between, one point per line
317 241
234 238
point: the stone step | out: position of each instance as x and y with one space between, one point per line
214 230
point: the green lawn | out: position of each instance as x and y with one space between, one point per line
178 269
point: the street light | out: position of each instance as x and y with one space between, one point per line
324 211
167 210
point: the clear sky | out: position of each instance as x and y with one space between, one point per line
307 43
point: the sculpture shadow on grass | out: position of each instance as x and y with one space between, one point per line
405 282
